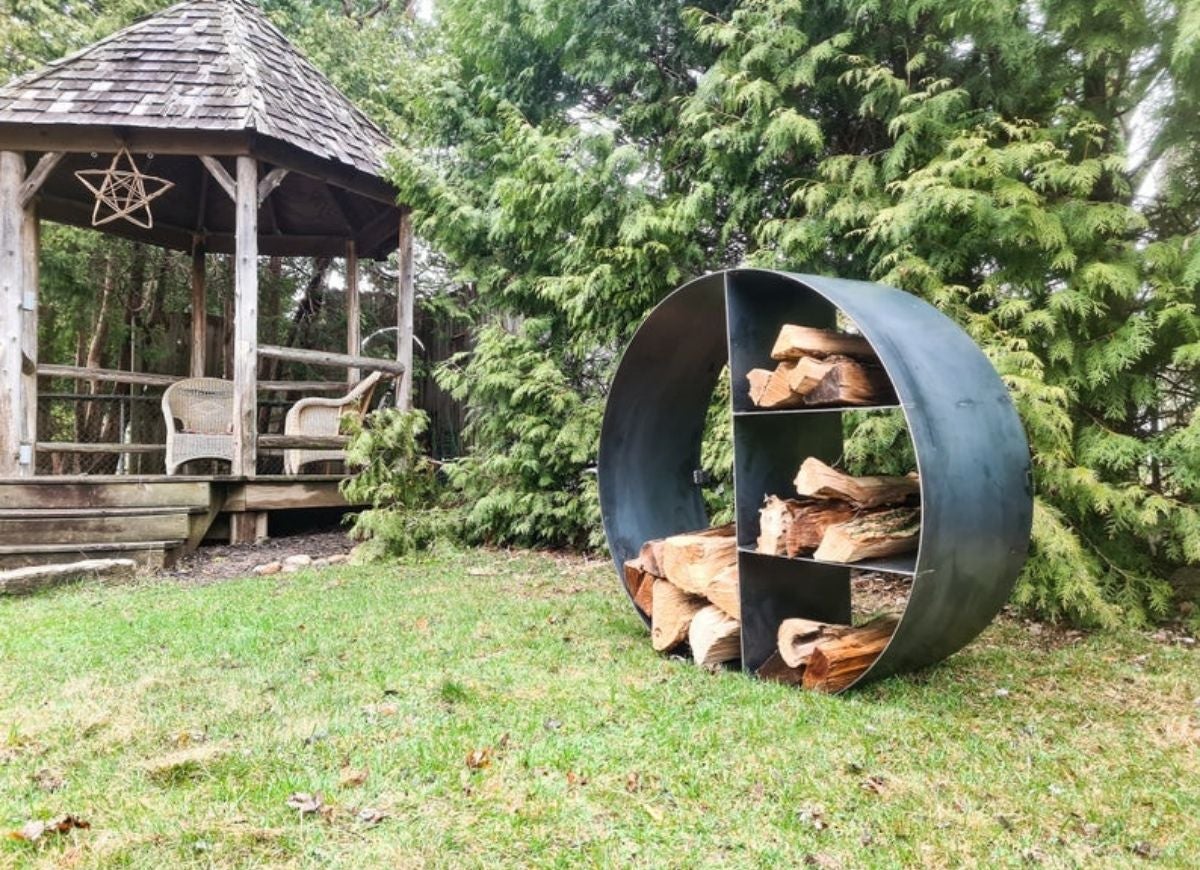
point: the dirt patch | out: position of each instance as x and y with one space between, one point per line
210 564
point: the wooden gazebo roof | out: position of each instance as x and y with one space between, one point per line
209 78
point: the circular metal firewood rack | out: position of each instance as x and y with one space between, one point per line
972 455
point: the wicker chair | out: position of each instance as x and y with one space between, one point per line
199 415
323 417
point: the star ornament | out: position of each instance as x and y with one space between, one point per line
123 193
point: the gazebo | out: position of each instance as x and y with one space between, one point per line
262 155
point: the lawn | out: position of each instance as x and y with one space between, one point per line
507 710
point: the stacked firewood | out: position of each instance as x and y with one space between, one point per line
688 586
840 518
824 657
820 368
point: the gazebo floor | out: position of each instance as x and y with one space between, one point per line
150 519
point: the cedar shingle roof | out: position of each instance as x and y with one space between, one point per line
201 65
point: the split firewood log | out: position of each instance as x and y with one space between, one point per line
818 480
671 615
777 670
797 638
836 662
795 342
693 561
640 574
789 527
715 637
879 533
723 591
770 388
850 383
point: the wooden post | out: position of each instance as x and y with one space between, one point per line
353 310
199 311
12 287
404 313
245 319
31 246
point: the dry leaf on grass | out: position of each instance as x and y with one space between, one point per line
370 816
477 759
49 780
33 831
874 784
308 804
351 778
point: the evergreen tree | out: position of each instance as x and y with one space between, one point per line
1029 168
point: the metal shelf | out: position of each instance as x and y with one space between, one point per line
839 409
905 564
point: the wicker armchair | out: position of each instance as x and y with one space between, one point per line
323 417
199 415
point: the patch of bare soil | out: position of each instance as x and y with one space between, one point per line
212 563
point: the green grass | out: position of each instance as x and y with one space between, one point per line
182 719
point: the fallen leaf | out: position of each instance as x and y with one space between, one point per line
1143 849
814 816
574 778
32 831
874 784
552 724
306 803
633 782
422 625
49 780
352 778
370 816
477 759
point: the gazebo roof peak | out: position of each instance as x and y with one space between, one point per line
200 66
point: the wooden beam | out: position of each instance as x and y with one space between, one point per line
98 447
303 442
245 318
379 229
222 177
34 181
199 312
404 312
299 386
353 312
327 358
270 181
12 286
31 238
146 379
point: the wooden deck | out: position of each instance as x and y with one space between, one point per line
149 519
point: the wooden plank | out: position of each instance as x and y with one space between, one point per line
220 175
199 312
31 236
404 312
249 527
151 555
34 181
12 285
145 379
256 496
328 358
93 530
97 447
46 493
270 181
302 442
300 386
353 312
245 305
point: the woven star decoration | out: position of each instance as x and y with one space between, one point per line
125 193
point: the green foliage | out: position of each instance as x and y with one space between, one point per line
577 160
407 512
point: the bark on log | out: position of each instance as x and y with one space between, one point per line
640 574
795 342
778 671
817 480
671 615
715 637
851 383
789 527
883 533
839 661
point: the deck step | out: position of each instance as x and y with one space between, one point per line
36 528
152 555
66 513
38 578
106 492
